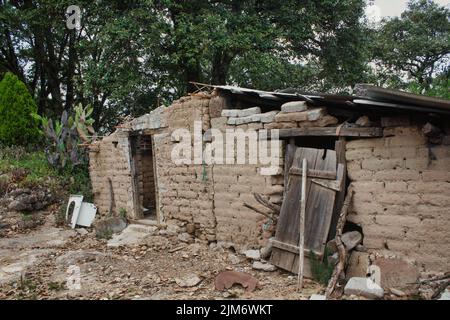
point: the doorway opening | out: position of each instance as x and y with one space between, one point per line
145 178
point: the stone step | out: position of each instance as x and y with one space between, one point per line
148 229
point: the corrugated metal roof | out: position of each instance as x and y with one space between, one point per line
366 98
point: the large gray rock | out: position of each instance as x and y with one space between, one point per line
230 113
252 254
109 226
129 236
249 112
351 239
317 297
268 116
29 200
189 280
364 287
258 265
445 295
294 106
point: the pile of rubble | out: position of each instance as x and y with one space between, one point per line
27 199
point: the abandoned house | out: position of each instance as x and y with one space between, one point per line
389 149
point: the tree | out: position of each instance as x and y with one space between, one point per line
417 44
17 125
131 56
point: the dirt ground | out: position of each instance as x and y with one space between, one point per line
43 262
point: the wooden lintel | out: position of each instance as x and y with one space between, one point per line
370 132
293 248
319 174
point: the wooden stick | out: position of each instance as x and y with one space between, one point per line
340 266
264 202
301 256
259 211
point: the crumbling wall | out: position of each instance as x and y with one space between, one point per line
235 184
402 195
110 174
185 191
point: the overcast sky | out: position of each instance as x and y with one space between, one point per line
385 8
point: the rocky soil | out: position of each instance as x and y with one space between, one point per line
42 263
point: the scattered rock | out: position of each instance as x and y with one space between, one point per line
226 279
267 250
172 229
364 287
252 254
317 297
316 114
397 273
189 280
233 259
351 239
249 112
129 236
185 237
398 293
445 295
257 265
268 116
363 121
82 231
294 106
358 264
29 200
109 226
190 228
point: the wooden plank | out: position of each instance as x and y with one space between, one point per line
302 225
320 174
288 158
292 248
367 132
288 224
340 156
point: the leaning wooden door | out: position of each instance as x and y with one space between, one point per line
324 181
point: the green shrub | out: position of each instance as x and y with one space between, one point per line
17 125
321 270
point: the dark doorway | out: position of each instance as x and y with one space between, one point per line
145 177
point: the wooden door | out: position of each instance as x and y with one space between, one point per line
324 181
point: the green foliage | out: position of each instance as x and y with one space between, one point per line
34 162
80 182
439 88
417 44
17 126
62 141
74 180
64 136
321 270
123 213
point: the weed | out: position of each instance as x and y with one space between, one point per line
104 234
55 286
321 270
123 213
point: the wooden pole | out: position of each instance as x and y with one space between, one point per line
301 255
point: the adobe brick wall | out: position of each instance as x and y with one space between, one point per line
402 195
185 191
109 159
